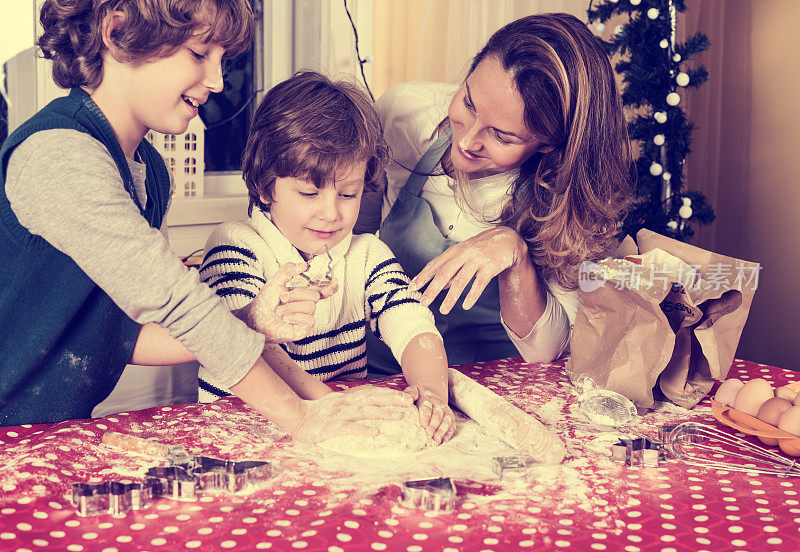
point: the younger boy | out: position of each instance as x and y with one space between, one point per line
313 146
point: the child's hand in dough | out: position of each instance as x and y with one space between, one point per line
434 414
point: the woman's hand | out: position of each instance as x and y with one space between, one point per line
339 413
435 416
481 257
281 314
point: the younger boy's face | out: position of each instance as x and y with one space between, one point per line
311 218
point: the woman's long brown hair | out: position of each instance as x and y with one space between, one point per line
566 203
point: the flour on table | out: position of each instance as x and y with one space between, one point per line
402 436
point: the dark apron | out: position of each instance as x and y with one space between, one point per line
409 230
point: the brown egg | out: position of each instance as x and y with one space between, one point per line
786 393
752 395
790 420
726 392
770 412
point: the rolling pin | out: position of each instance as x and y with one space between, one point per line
505 421
149 447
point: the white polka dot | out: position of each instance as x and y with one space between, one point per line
239 532
738 542
562 543
598 546
344 537
137 526
490 541
158 541
292 512
526 543
351 524
273 533
24 526
419 536
263 545
227 544
378 546
124 538
391 521
334 549
426 524
414 548
455 539
702 530
7 536
668 538
40 542
215 519
735 529
299 544
75 547
774 540
494 529
283 523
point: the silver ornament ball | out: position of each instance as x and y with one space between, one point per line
652 13
673 99
682 79
664 43
658 139
656 169
685 212
676 58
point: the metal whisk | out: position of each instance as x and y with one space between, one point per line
695 444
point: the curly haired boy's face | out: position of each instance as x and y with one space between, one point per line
312 217
163 94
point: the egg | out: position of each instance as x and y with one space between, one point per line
790 420
726 392
770 412
786 393
752 395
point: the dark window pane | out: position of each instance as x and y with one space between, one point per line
227 115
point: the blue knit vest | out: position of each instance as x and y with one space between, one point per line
63 341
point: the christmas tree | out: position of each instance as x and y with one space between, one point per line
655 76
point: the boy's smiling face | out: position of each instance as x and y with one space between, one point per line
312 217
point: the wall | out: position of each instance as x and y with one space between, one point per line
745 159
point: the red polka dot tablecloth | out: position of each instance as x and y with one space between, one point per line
320 501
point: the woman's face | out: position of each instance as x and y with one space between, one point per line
487 117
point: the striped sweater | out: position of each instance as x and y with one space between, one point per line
373 289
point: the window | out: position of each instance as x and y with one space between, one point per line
169 142
190 166
190 141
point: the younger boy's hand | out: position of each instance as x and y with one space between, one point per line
282 314
434 414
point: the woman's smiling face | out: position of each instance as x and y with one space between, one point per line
487 118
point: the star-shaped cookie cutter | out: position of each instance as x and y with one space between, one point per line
638 452
326 278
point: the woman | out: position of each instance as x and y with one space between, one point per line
518 176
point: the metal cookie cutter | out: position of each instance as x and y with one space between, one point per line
433 495
637 452
110 497
511 466
317 280
172 482
223 476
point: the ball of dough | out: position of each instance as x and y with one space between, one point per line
402 436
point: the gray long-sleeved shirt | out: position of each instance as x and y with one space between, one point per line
63 185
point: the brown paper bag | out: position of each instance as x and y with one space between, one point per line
660 316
